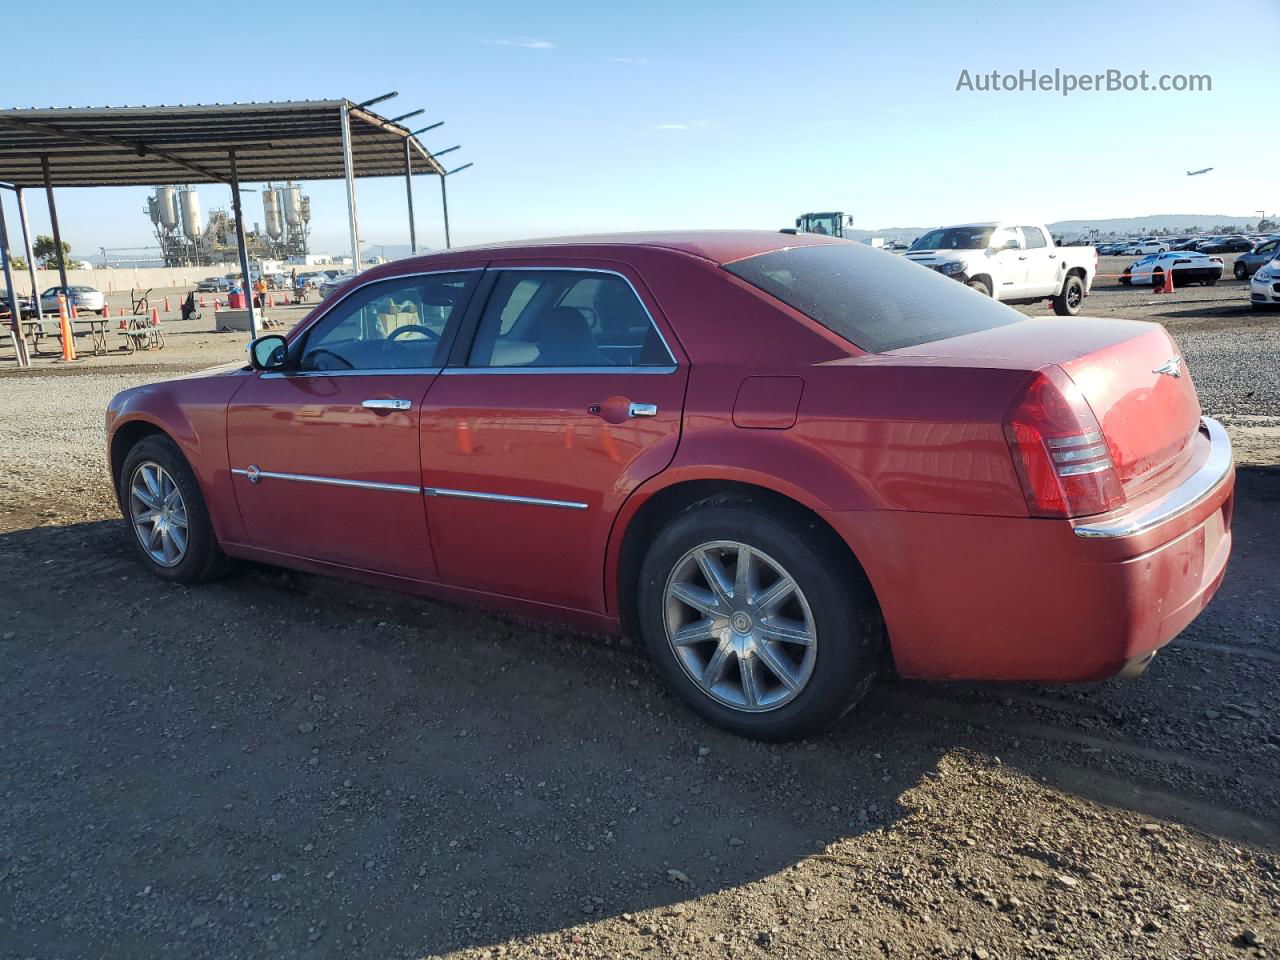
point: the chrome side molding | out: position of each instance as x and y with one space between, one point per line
255 476
1178 500
503 498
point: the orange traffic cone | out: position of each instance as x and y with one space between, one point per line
106 309
64 328
166 304
124 324
202 303
155 317
1168 282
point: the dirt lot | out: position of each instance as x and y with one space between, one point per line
282 765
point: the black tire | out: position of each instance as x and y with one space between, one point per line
1126 279
1211 282
980 285
1240 271
203 559
848 625
1070 298
1157 279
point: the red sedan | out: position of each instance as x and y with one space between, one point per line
775 458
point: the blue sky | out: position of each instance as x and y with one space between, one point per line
603 116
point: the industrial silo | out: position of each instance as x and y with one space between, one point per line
271 212
190 205
167 201
291 204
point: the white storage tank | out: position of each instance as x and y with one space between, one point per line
167 201
271 212
190 203
291 204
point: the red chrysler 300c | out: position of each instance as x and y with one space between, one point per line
773 457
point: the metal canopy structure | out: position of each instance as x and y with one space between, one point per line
148 146
209 143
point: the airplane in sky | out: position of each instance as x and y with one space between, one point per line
1196 173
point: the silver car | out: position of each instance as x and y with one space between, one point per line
82 298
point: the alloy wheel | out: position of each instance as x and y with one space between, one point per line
740 626
158 514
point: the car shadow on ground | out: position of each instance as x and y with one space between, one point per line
300 761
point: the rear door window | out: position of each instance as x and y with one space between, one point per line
566 319
875 300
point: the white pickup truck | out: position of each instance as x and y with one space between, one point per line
1015 263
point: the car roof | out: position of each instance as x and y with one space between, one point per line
717 246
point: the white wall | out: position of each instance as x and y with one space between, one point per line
123 278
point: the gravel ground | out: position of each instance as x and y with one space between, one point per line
283 765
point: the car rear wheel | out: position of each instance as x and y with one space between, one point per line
757 622
168 521
1068 302
1239 270
981 286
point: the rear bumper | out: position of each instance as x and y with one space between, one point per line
1004 598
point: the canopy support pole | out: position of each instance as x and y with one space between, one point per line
408 189
29 253
444 204
57 235
246 281
15 319
353 223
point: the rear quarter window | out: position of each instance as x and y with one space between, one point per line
878 301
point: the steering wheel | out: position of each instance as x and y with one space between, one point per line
412 328
314 355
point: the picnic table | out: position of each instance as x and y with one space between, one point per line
95 327
141 334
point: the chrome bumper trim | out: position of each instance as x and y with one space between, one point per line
1178 500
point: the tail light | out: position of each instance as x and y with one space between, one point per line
1059 451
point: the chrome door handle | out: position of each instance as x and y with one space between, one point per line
642 410
1022 258
387 403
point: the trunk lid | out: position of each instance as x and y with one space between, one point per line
1125 370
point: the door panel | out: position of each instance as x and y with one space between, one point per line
531 436
351 493
566 397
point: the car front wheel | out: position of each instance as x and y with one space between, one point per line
168 521
758 622
1239 270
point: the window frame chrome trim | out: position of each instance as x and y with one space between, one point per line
384 372
503 498
1186 495
666 345
327 481
457 371
305 331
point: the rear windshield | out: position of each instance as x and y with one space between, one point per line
876 300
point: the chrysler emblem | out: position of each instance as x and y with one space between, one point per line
1170 368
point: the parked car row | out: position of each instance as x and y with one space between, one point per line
1235 243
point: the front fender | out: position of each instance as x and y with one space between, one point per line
193 414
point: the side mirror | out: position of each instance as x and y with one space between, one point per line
1010 244
269 352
